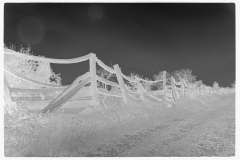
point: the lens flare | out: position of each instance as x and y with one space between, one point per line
95 12
30 30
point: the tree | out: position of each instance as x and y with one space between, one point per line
159 76
215 85
199 83
185 74
146 85
106 75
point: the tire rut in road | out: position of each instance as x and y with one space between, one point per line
128 141
169 134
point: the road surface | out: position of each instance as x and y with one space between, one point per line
200 128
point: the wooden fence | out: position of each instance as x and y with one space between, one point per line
57 95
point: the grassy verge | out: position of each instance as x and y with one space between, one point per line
58 134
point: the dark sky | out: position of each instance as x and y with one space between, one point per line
141 37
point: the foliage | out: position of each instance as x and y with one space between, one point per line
133 86
36 70
215 85
185 74
199 83
159 76
106 75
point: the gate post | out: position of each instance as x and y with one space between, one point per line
182 88
164 86
94 91
173 89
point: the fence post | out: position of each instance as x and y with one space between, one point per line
140 90
182 88
164 86
173 89
126 97
189 90
94 91
7 96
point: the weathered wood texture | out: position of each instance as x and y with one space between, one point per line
47 94
44 59
66 95
182 88
93 72
173 89
125 95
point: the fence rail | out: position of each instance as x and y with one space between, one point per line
59 95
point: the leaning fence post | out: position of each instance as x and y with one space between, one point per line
164 86
94 91
173 89
140 90
188 90
7 97
121 83
182 88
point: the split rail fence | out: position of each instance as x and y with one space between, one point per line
85 87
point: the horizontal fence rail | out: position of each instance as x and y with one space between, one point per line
150 81
24 78
109 69
43 59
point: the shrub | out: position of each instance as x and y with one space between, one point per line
106 75
146 85
36 70
185 74
159 76
215 85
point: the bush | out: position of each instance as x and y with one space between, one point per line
36 70
185 74
159 76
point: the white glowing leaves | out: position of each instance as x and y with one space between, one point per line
30 30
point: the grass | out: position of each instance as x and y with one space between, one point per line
94 130
59 134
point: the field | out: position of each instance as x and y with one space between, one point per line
202 126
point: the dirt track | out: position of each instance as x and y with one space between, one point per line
203 127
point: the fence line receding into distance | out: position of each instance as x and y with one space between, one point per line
78 90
